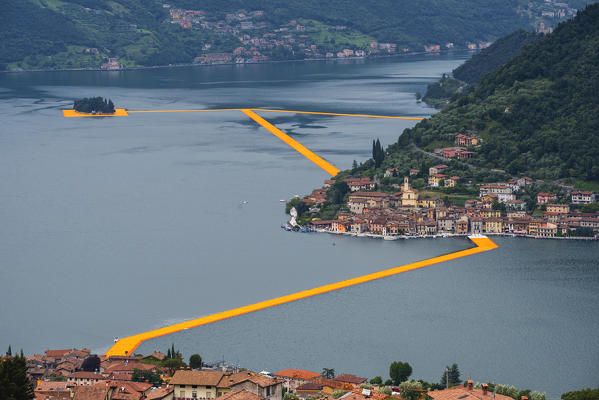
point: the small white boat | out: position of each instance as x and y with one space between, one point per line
283 201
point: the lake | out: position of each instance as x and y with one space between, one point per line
115 226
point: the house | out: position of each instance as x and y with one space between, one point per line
295 377
582 197
544 198
161 393
414 171
356 184
437 169
515 204
476 225
452 181
262 386
124 390
349 378
309 389
435 180
241 395
357 206
461 226
376 197
98 391
558 208
199 384
467 141
493 225
84 378
389 172
469 393
524 181
446 224
502 190
429 202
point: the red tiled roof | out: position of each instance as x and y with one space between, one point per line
310 386
461 393
350 379
57 353
297 373
241 395
98 391
159 393
200 378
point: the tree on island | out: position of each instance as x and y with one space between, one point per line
328 373
93 105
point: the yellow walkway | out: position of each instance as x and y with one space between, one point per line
129 344
118 112
300 148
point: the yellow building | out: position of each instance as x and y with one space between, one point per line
493 225
200 384
409 196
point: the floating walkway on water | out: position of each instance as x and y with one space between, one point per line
129 344
251 112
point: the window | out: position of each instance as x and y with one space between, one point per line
194 394
194 386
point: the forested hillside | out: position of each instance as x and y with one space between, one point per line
537 115
492 57
489 59
85 33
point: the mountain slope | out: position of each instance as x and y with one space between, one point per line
84 33
538 114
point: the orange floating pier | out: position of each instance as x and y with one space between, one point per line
118 112
127 345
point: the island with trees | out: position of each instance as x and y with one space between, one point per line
94 105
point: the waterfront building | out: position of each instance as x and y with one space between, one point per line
199 384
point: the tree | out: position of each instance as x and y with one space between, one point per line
337 192
328 373
410 390
385 390
173 364
378 154
195 361
91 363
9 351
399 371
584 394
14 383
388 382
451 376
149 375
377 380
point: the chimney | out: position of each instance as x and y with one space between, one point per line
485 389
470 384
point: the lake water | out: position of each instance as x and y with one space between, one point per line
115 226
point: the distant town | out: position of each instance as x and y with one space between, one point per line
402 211
259 41
76 374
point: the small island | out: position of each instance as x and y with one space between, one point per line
94 105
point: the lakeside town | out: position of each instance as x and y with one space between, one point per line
77 374
384 206
259 41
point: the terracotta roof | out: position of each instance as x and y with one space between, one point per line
45 386
297 373
259 380
350 379
91 392
461 393
200 378
312 386
57 353
123 366
160 393
66 395
241 395
85 375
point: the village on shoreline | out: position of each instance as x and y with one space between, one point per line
360 208
77 374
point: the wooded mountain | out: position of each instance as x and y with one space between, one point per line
538 114
83 33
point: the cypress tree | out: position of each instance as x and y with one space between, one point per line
9 351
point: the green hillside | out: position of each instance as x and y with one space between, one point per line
85 33
489 59
537 115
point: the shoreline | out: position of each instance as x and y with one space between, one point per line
234 63
447 235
